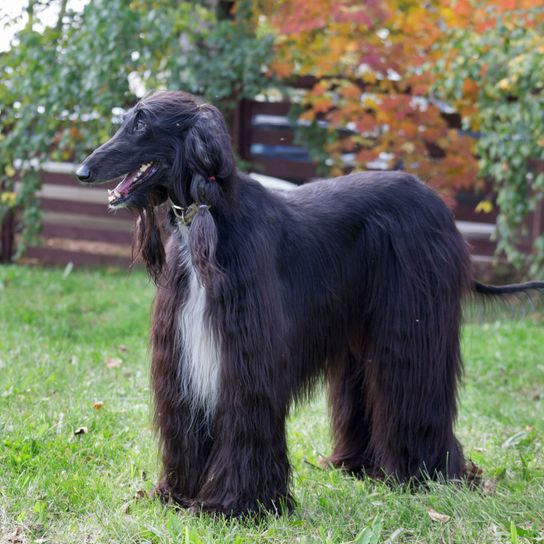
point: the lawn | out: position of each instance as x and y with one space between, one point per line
78 454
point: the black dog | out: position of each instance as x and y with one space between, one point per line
260 294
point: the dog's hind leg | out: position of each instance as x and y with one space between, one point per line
349 416
412 382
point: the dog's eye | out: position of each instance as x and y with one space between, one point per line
139 126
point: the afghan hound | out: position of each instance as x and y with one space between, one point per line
260 294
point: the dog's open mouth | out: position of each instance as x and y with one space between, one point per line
130 182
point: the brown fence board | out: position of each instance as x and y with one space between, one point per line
70 180
85 208
54 256
85 233
297 172
482 247
76 220
267 108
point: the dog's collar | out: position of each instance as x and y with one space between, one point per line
185 216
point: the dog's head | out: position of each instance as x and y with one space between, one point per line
168 145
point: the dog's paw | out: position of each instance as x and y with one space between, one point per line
166 494
474 475
243 509
354 467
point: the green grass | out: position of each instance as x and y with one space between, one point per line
56 334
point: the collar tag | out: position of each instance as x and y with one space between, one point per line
185 216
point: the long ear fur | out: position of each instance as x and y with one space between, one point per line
203 247
148 243
208 177
206 152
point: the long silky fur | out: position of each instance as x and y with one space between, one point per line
359 280
148 244
203 248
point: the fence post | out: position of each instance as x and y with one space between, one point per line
7 237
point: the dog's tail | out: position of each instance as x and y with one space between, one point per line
512 295
511 289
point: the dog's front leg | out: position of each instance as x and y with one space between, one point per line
248 469
185 446
182 425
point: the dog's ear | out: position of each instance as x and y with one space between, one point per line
208 177
206 166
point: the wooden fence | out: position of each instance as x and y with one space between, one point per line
78 228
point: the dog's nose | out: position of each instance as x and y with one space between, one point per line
83 173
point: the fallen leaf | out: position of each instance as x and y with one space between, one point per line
68 269
126 507
122 348
81 430
140 494
98 405
489 486
473 473
16 537
113 362
437 516
514 439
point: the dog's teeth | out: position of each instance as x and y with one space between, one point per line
116 193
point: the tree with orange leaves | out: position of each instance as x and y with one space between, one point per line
371 61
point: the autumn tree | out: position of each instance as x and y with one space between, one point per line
370 62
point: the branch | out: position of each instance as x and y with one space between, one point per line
62 13
30 13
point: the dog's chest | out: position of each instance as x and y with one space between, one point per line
199 351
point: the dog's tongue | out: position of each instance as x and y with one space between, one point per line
123 188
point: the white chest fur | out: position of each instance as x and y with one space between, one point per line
199 359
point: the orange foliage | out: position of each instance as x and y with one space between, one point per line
370 59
